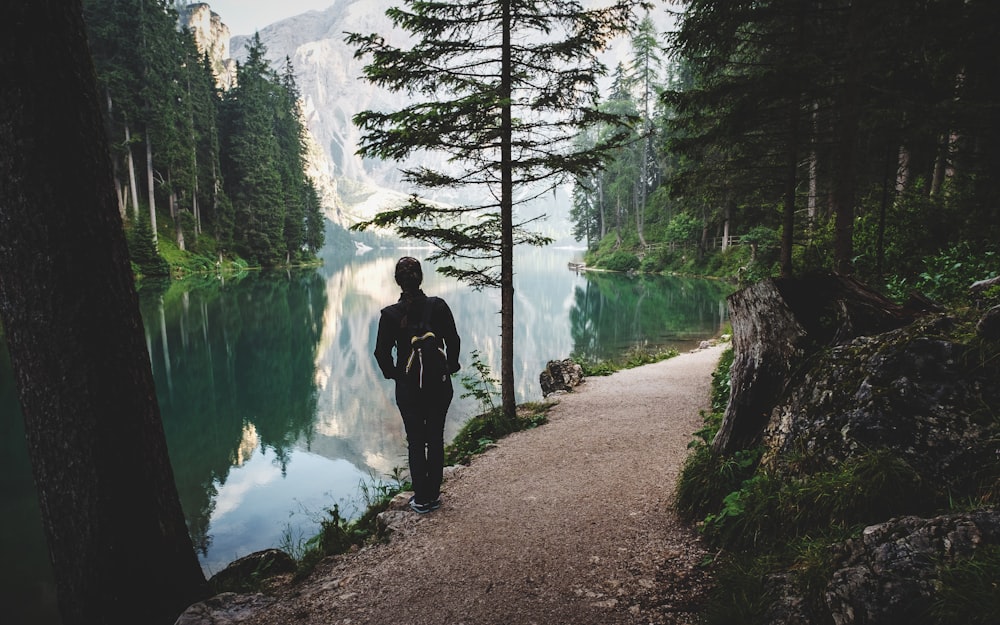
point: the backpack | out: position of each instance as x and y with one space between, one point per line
428 364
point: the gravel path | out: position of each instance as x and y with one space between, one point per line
570 523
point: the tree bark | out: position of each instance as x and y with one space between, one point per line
133 184
777 324
507 398
114 525
843 192
151 181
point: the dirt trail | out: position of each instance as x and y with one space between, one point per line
570 523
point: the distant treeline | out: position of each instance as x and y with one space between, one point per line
218 174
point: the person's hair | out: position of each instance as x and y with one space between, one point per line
408 273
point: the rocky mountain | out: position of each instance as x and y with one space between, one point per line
212 36
333 92
329 78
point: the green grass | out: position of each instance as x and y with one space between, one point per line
483 430
636 357
969 590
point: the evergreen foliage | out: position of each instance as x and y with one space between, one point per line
142 250
502 88
856 132
230 166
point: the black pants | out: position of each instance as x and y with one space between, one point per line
423 412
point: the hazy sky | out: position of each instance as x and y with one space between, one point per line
243 17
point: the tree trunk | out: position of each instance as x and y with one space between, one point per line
940 164
903 170
777 323
507 398
640 209
843 192
600 205
152 188
175 213
618 223
791 168
791 180
811 202
132 182
114 526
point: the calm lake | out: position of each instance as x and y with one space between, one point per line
275 410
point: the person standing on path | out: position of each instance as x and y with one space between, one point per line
423 403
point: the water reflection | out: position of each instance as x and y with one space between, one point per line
612 313
233 364
274 408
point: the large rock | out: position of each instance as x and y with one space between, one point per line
226 608
560 376
989 325
777 323
914 392
891 574
251 569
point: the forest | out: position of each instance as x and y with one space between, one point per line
782 137
202 176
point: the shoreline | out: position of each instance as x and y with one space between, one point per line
568 523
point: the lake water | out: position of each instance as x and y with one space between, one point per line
274 408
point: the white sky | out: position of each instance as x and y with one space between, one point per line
244 17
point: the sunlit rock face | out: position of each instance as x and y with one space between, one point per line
212 37
329 79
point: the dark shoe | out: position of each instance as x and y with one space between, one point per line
421 508
434 505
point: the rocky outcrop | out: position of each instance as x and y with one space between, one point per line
227 608
777 323
916 392
923 394
891 573
212 37
560 376
252 568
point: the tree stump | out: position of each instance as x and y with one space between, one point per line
777 324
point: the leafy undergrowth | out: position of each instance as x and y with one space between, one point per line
765 526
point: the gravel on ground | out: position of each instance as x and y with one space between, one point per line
570 523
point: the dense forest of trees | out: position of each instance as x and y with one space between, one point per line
220 173
854 136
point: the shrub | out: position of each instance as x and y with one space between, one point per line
621 261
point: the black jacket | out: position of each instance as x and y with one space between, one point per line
394 331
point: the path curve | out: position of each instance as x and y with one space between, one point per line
570 523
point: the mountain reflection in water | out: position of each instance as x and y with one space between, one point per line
273 406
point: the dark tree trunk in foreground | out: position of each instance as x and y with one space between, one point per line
115 530
777 324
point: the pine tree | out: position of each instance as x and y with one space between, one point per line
250 160
503 86
289 132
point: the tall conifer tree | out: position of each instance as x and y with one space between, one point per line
503 87
251 160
